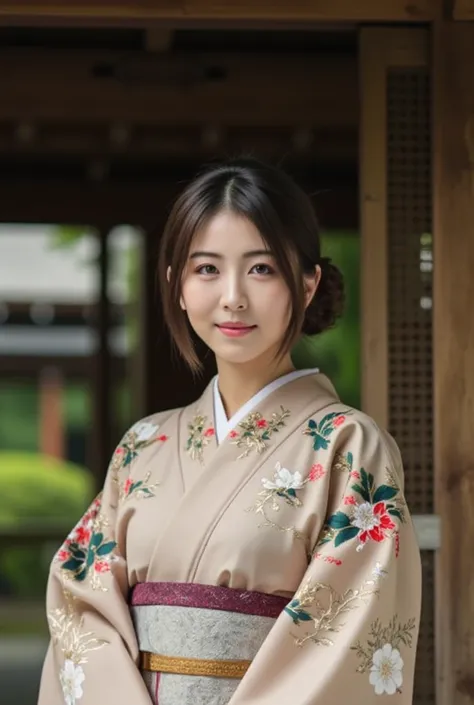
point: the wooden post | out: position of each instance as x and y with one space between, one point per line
51 441
102 410
453 154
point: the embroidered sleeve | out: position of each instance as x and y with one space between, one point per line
88 615
349 633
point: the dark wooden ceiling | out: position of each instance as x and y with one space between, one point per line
135 110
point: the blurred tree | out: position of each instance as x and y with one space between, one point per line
37 490
337 352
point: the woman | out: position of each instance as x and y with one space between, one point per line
255 547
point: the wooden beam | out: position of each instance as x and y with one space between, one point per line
453 154
139 89
327 148
180 12
158 39
463 10
143 203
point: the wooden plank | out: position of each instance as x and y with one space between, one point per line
140 203
328 148
373 212
135 88
453 154
463 10
202 11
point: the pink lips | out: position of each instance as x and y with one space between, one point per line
235 329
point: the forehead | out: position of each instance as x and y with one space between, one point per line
228 233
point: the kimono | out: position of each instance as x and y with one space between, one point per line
269 559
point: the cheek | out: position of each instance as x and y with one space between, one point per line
196 298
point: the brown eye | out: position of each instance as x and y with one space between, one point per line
262 269
206 269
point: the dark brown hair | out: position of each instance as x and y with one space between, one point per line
285 218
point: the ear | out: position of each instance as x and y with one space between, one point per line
311 283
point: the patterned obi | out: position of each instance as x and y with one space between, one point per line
197 641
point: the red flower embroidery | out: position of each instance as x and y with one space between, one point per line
339 420
101 567
383 524
316 473
233 434
209 432
328 559
355 475
163 438
350 500
127 486
63 555
261 423
83 535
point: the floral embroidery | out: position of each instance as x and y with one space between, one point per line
317 472
66 632
327 606
86 553
140 436
256 431
71 678
322 430
372 519
199 437
283 486
327 559
381 656
140 489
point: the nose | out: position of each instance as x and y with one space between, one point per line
234 297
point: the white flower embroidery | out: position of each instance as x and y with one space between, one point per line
72 677
283 479
386 671
145 431
378 571
364 517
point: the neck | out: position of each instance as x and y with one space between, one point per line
239 383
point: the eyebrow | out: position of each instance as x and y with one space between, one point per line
246 255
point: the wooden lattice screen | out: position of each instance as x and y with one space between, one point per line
410 267
397 255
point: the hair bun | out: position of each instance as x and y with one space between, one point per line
328 302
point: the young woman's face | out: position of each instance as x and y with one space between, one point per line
235 298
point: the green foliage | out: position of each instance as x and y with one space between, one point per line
18 415
337 351
37 490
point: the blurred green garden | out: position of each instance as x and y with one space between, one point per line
38 490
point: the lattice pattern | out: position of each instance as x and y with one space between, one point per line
410 317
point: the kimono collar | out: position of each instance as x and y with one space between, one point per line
224 425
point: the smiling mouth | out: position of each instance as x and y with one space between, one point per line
235 329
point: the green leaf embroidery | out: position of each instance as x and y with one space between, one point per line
296 613
72 564
384 493
364 493
97 539
339 521
106 548
396 513
346 535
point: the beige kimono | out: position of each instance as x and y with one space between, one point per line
279 567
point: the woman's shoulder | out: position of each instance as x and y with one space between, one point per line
352 426
149 426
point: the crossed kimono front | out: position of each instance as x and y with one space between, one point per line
277 567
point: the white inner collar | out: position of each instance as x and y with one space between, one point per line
224 425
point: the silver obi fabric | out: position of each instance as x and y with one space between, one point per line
196 632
